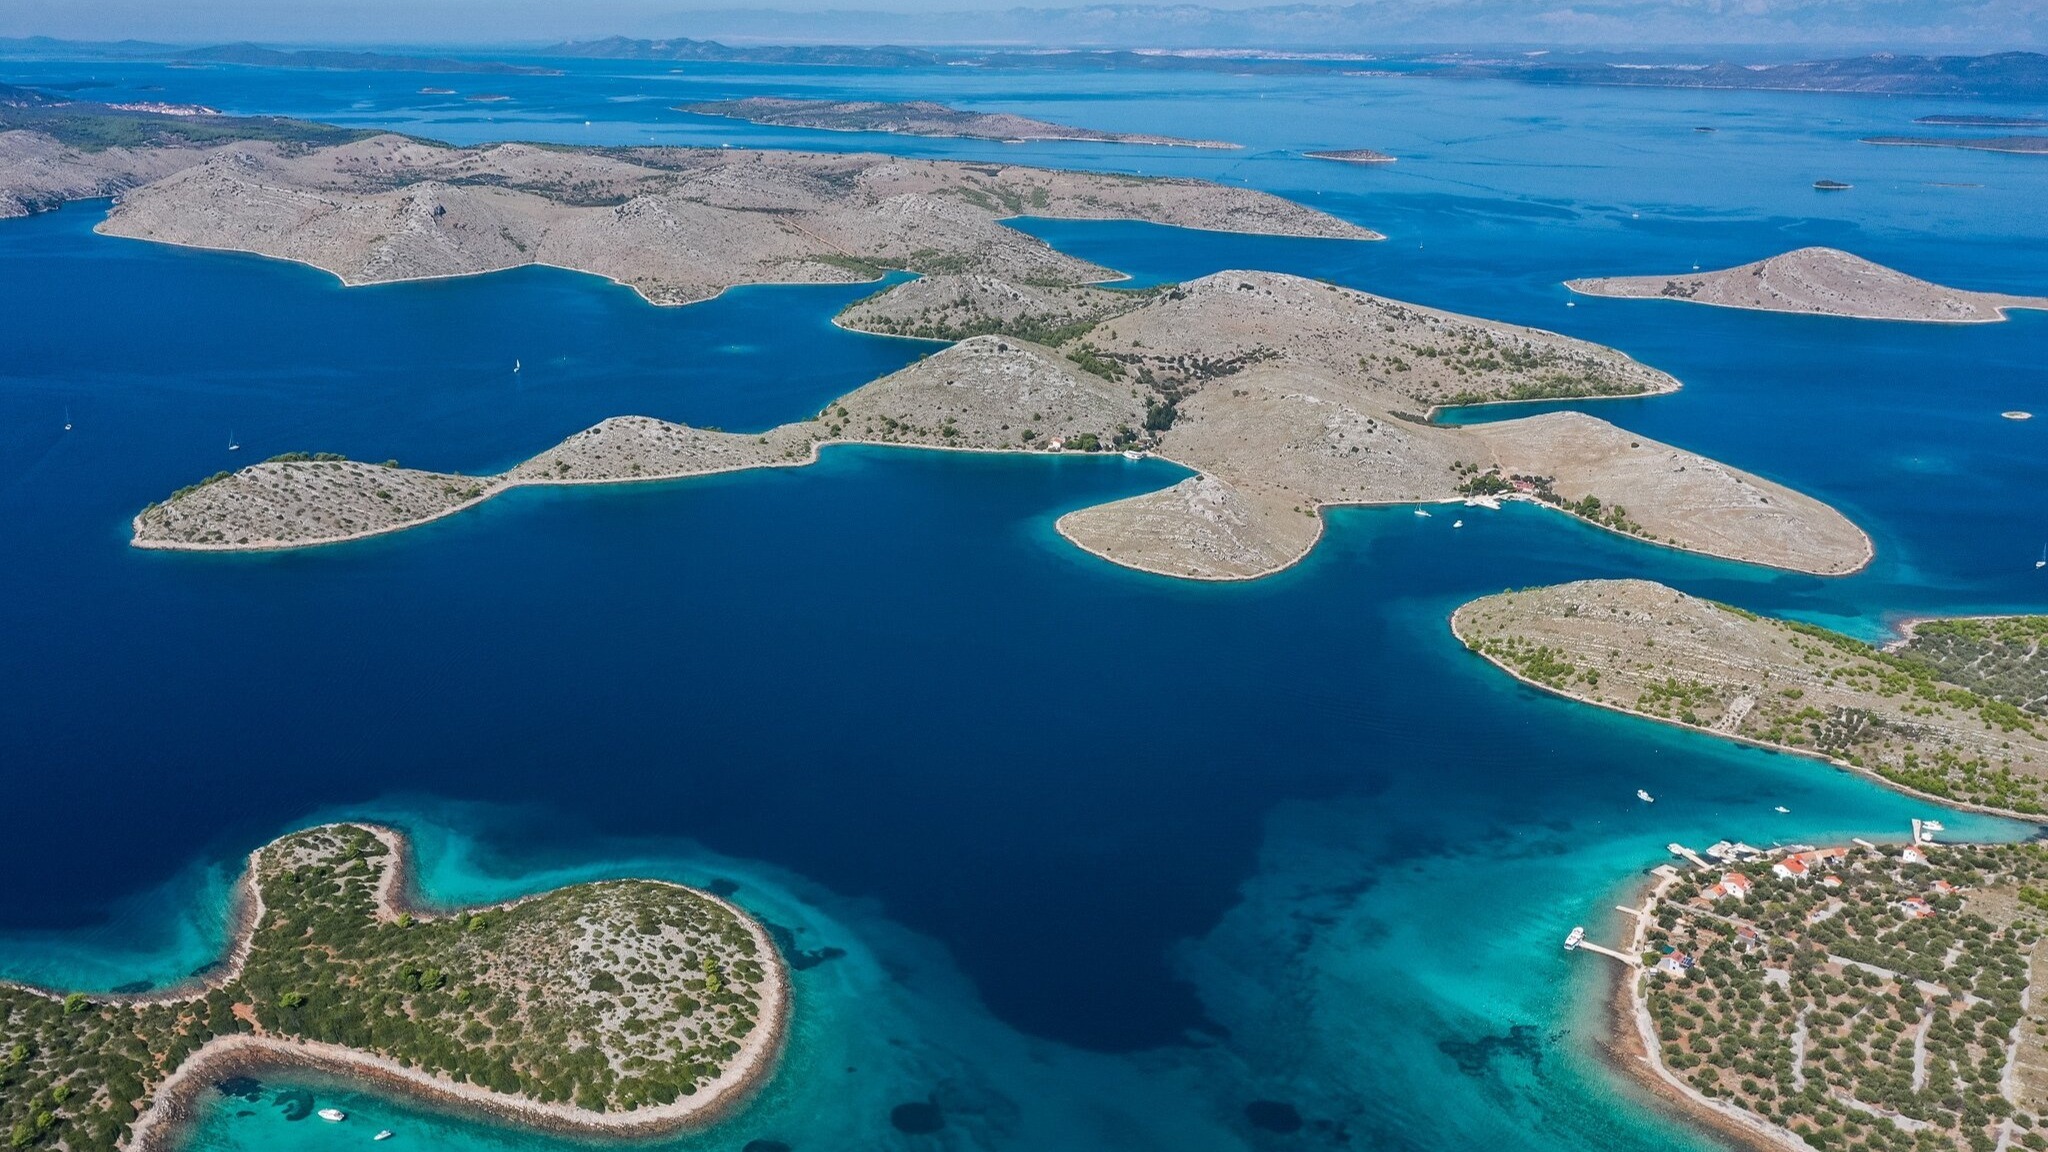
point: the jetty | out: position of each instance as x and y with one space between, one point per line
1577 941
1677 849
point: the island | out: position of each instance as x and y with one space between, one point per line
1953 712
2020 145
918 118
1284 396
1822 282
1843 996
1352 156
1984 121
623 1007
675 224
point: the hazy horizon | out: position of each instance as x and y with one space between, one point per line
1698 25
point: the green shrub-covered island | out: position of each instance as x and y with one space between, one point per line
627 1005
1860 998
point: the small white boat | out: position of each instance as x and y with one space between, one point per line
1422 513
1134 455
1781 808
1571 303
1645 797
386 1134
1457 523
515 367
2041 563
1572 941
234 445
332 1115
67 419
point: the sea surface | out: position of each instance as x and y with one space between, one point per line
1087 858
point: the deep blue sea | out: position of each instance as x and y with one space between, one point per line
1090 859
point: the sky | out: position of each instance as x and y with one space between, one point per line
1903 25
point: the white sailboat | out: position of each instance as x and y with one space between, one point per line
67 419
515 366
234 445
2041 563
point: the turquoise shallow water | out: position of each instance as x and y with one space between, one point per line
1108 856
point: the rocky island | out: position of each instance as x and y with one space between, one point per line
2020 145
919 118
613 1008
1352 156
1852 996
1821 282
1952 713
1284 395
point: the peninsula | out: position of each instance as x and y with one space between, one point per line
1284 395
1852 996
622 1007
1952 713
1822 282
918 118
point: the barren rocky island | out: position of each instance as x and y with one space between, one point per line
1821 282
1284 396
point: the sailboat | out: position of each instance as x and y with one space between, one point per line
67 419
515 366
2041 563
234 445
